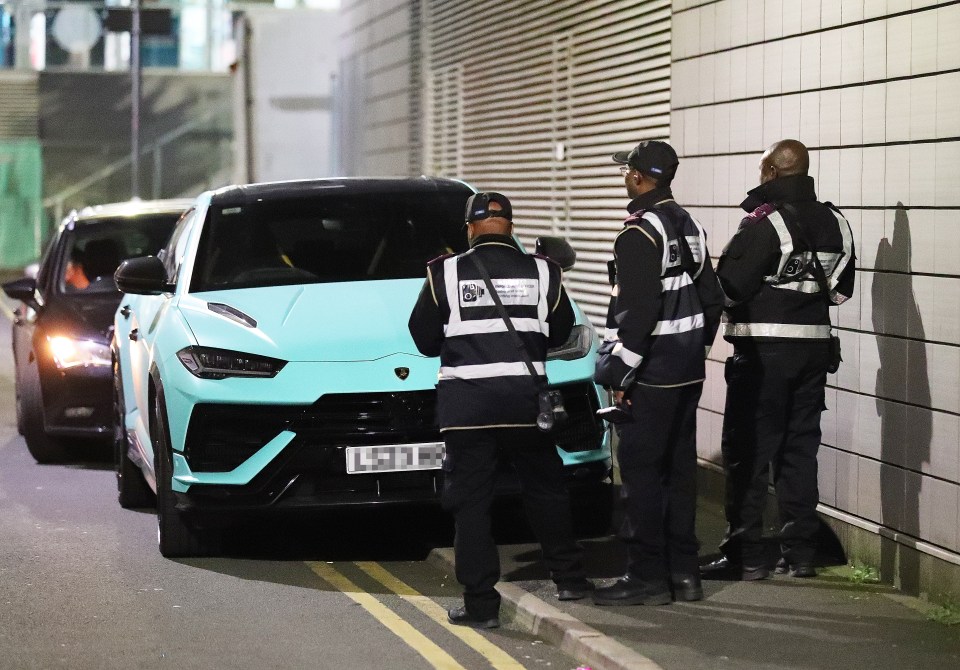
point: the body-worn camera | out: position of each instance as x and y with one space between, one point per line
615 414
552 412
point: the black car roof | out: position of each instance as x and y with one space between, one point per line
241 195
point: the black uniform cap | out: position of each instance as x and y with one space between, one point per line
651 157
478 207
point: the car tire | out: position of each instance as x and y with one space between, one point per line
178 536
593 510
44 448
18 400
132 488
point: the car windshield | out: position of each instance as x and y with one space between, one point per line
94 249
333 238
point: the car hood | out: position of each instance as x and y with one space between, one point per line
349 321
87 316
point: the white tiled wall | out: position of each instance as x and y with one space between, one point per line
869 87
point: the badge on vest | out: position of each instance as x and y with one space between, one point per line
511 291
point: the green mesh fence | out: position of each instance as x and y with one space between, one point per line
21 211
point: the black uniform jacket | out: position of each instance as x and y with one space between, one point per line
483 381
770 294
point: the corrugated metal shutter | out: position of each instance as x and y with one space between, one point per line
19 105
532 97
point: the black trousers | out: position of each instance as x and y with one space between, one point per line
658 471
469 469
775 395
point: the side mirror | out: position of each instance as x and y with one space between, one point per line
142 276
32 270
558 250
24 290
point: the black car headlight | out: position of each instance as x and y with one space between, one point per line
210 363
577 345
69 352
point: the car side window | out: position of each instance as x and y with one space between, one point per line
172 254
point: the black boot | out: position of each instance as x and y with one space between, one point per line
632 591
686 587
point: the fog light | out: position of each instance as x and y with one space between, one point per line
78 412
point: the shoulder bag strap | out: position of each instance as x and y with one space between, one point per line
815 268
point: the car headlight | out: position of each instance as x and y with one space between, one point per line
210 363
577 345
69 352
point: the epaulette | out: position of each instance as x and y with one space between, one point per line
761 212
441 257
546 258
635 218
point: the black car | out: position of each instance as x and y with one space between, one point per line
62 329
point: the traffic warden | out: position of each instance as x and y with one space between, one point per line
791 259
487 400
663 317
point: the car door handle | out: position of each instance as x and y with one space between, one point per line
125 311
134 334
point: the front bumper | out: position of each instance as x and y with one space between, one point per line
243 457
78 402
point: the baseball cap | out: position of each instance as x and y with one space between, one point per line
651 157
478 207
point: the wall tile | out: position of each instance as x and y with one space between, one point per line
790 75
899 46
830 118
721 182
948 46
870 321
705 90
852 10
874 8
738 17
923 181
897 181
851 52
790 116
948 104
944 447
851 116
923 108
887 373
828 419
827 475
707 135
810 119
722 27
947 157
915 451
892 484
895 6
943 368
874 113
898 110
851 178
772 121
938 512
810 61
947 242
923 42
738 126
875 51
684 24
869 490
754 55
830 58
911 503
721 128
872 225
773 18
923 240
772 67
873 193
894 421
708 29
691 131
810 14
848 376
830 14
738 74
847 474
923 288
868 427
676 131
721 74
791 14
754 27
846 418
754 121
828 181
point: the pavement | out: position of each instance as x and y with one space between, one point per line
837 620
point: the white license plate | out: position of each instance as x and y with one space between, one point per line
395 457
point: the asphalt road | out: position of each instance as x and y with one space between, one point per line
83 585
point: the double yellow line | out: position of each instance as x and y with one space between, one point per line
419 642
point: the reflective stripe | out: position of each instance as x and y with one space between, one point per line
684 325
802 286
701 245
488 370
629 357
611 334
676 282
847 236
543 309
483 326
789 330
451 279
654 221
786 244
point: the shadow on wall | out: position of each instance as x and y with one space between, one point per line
905 435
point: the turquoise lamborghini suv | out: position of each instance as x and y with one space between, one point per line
262 360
